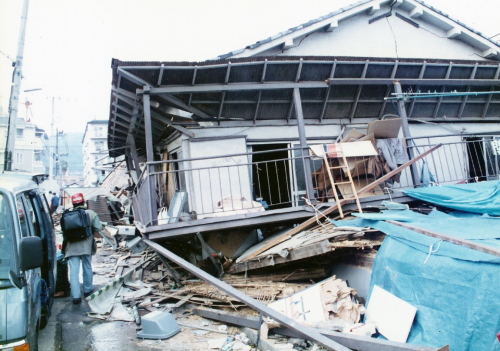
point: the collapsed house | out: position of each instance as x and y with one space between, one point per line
239 149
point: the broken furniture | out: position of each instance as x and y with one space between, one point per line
307 223
342 152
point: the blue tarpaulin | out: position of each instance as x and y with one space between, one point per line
455 289
483 197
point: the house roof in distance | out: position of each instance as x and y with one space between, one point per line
454 28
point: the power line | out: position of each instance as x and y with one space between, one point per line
8 57
495 35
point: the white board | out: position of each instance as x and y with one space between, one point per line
214 179
392 316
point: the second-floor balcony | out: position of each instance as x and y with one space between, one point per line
268 188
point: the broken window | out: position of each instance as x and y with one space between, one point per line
271 175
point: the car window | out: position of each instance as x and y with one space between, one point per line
21 213
31 215
6 240
45 206
40 219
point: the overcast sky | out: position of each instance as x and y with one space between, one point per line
70 44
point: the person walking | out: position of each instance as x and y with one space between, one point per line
81 250
54 202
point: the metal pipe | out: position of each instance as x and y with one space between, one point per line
406 96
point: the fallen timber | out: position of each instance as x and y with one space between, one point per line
457 241
360 343
306 332
312 220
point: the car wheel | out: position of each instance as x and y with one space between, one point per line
44 319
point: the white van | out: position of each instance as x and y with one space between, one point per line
27 262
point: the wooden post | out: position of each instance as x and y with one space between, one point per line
406 132
303 144
150 154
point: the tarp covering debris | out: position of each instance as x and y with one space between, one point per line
483 197
454 288
463 228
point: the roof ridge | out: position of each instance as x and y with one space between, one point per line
339 11
457 21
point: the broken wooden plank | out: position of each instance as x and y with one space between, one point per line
181 301
166 297
454 240
363 343
119 260
307 332
203 328
295 254
349 340
228 317
312 220
298 274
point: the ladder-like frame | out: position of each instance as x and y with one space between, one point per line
332 180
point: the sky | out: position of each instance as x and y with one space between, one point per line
69 44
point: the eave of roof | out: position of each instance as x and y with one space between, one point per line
339 104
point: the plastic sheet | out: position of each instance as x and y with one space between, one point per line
483 197
455 289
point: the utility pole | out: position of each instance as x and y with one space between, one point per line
14 93
51 137
57 153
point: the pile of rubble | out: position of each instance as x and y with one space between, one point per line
139 285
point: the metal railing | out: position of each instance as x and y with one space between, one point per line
198 188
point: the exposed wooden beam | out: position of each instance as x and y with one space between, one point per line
452 239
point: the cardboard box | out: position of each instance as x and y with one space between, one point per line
387 128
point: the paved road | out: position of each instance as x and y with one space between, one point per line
69 328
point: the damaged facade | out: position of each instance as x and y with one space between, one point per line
318 121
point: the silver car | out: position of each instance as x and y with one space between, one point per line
27 262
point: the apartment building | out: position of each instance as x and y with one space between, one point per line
95 156
31 153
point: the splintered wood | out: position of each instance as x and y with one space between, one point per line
260 291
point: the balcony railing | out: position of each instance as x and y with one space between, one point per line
198 188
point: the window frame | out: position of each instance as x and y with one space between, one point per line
21 157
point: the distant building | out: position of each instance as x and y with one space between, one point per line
95 157
31 153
